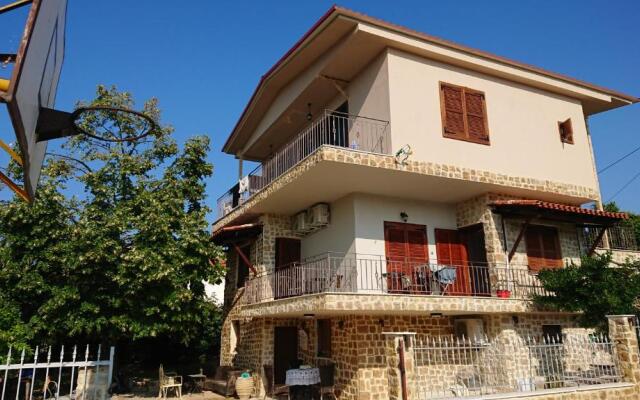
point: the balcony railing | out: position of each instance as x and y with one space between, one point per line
357 273
331 129
621 237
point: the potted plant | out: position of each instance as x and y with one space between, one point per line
503 291
244 386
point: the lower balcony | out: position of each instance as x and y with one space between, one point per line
332 283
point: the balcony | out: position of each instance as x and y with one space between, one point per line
331 129
620 237
371 274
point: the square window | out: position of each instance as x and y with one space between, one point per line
566 131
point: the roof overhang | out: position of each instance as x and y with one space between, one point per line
236 233
539 209
363 38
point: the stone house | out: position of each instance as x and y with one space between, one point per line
406 185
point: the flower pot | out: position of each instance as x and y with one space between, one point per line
503 294
244 387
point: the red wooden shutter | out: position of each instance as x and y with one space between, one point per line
406 248
451 251
475 114
453 110
287 252
543 248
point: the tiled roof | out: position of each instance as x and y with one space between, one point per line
545 205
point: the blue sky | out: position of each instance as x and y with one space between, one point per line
203 59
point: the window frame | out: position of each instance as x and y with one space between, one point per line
556 232
443 114
568 139
239 262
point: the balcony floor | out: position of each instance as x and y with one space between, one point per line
328 304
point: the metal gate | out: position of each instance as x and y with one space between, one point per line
77 373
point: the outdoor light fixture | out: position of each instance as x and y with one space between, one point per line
308 316
404 216
309 115
436 315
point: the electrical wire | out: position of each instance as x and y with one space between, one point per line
618 160
629 182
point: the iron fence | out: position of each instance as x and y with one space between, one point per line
77 373
450 367
331 128
620 237
359 273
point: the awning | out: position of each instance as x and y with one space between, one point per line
539 209
236 233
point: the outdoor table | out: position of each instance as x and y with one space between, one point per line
301 382
198 382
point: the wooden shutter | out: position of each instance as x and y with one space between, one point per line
324 338
287 252
464 113
451 251
543 247
453 110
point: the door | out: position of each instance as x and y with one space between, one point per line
452 255
288 279
406 252
285 351
473 239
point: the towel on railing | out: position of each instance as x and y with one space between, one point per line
243 184
446 275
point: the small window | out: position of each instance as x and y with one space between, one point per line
566 131
324 338
234 334
464 114
243 267
543 247
552 333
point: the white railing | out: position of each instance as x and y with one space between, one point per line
362 273
77 373
450 367
332 129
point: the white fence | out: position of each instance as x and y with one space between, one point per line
77 373
449 367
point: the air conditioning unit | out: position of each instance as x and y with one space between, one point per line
470 329
319 215
300 223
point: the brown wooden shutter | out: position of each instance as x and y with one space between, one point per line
475 114
453 110
566 131
324 338
451 251
287 252
543 248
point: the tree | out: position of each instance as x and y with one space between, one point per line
123 261
594 288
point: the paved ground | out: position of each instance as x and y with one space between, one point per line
199 396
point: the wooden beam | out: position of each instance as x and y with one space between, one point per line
523 229
594 245
13 186
245 259
14 5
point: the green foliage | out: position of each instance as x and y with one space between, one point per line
595 288
123 262
633 221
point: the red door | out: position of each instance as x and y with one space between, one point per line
452 253
406 251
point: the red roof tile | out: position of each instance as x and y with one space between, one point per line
539 204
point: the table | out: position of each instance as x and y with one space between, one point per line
198 382
301 382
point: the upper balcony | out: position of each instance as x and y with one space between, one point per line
332 128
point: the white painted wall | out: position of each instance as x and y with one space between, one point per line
523 123
372 211
338 237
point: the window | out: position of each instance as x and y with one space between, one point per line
543 247
234 334
552 333
566 131
243 267
464 114
324 338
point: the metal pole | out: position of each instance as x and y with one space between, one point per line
112 352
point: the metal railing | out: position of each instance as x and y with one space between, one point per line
81 373
358 273
451 367
621 237
332 129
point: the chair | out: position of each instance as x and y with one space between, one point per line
224 380
167 382
445 277
327 385
271 389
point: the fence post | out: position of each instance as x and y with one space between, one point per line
112 352
622 331
400 364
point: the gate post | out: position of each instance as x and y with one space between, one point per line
622 331
400 364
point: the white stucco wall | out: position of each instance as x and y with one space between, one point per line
523 123
338 237
372 211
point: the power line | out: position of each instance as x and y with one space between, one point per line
629 182
618 160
